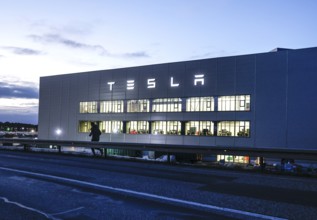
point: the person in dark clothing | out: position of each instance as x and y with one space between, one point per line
95 136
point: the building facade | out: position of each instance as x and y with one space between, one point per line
265 100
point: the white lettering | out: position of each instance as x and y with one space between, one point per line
151 83
199 78
110 84
130 84
174 84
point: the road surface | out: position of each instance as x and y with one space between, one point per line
51 186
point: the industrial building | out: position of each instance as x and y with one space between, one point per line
264 100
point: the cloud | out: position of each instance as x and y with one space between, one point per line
139 54
22 51
10 90
57 39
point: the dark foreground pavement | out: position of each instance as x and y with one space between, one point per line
48 186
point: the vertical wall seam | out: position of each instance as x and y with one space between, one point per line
253 107
286 104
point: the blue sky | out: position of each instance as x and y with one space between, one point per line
51 37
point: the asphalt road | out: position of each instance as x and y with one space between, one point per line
50 186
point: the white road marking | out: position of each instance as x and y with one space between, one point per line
28 208
68 211
148 195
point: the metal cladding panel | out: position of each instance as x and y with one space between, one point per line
117 137
158 139
207 116
244 142
188 80
270 100
174 139
84 137
245 75
143 138
83 86
244 116
64 115
73 108
112 117
174 116
162 79
145 73
105 137
94 86
191 116
132 117
158 116
226 76
131 138
226 116
225 141
105 77
118 91
302 102
207 141
177 71
55 109
140 117
44 106
191 140
208 68
132 83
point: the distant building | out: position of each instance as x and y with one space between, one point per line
265 100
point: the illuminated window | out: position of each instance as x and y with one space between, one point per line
243 128
173 127
166 127
137 127
167 105
233 159
85 126
234 103
138 105
88 107
200 104
111 106
243 103
234 128
111 127
204 128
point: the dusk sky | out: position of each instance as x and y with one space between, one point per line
51 37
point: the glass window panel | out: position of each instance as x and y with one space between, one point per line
137 127
111 126
234 103
173 127
111 106
199 104
234 128
158 127
138 105
167 105
88 107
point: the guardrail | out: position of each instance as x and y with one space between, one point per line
305 154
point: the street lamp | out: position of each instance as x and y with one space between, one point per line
58 132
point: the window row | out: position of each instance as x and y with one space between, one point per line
204 128
193 104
